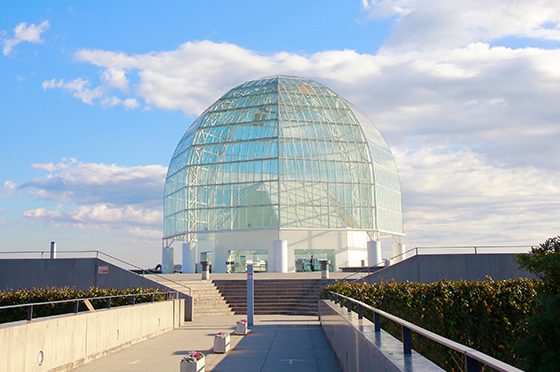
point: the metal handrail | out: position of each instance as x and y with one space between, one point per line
416 251
472 357
76 301
97 253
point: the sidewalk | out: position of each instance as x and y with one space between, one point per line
274 343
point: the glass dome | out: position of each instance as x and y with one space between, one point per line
282 153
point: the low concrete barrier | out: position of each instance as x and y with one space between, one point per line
359 348
63 342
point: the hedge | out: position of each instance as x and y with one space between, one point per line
57 294
489 316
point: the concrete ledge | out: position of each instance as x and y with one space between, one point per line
69 341
359 348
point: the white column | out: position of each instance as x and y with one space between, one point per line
280 256
374 252
167 260
398 250
189 257
53 250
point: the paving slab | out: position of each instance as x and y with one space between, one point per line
274 343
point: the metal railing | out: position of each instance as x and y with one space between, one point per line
418 251
76 301
97 254
473 358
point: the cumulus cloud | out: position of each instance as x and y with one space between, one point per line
23 32
426 24
93 196
501 205
93 183
8 189
477 96
79 87
474 126
129 103
104 214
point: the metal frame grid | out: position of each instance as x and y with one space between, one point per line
282 153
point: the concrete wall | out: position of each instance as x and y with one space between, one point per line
80 273
432 268
359 348
69 341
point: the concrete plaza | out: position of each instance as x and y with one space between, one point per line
274 343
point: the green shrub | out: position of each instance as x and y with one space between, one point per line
489 316
47 294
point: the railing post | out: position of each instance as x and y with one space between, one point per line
407 340
152 297
109 303
377 322
76 306
360 311
472 364
30 313
134 300
349 306
341 302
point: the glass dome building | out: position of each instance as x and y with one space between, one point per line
280 171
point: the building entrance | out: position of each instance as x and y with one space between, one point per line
237 261
307 259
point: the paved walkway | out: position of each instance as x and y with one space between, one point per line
274 343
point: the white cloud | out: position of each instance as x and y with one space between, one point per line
458 198
425 24
8 189
116 78
129 103
103 214
474 127
78 86
93 183
22 32
476 96
143 232
90 196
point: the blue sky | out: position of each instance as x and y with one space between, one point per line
95 96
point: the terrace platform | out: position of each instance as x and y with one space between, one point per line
274 343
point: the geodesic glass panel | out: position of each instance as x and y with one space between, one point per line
282 152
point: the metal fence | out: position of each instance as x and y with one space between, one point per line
473 358
168 295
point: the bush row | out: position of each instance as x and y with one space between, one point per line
489 316
58 294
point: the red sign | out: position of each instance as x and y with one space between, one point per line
249 276
103 270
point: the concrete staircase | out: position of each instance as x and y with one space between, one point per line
274 296
206 298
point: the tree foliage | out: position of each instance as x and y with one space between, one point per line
540 349
544 261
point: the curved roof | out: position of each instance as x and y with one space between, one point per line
282 152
